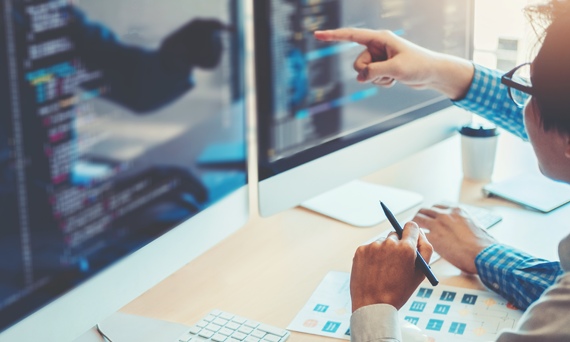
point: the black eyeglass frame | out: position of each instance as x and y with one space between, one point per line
507 79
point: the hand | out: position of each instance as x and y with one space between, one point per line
389 58
198 43
454 235
384 272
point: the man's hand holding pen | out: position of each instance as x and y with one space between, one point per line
384 272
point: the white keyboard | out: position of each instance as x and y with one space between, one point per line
484 218
220 326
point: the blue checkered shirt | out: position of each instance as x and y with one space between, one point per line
490 99
515 275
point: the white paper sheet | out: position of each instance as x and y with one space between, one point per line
444 313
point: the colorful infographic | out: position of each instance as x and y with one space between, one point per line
447 313
444 313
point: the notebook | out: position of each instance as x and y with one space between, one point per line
532 191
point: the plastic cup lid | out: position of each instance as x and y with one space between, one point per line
479 131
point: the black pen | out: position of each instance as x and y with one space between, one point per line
420 262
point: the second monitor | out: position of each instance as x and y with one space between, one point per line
318 127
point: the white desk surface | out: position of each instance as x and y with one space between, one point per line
268 269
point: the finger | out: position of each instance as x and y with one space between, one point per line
411 234
386 84
360 36
378 70
431 212
393 236
424 247
362 61
441 206
423 220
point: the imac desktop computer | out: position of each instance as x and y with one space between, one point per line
122 154
319 129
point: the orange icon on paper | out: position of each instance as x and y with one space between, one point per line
464 312
341 311
490 302
310 323
431 339
480 331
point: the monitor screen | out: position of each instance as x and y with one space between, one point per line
119 120
309 101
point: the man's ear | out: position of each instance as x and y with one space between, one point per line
567 140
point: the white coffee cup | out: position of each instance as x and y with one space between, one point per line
478 151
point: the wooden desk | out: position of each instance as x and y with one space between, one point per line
268 269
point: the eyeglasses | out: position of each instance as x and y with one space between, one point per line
519 83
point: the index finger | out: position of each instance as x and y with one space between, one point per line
360 36
411 233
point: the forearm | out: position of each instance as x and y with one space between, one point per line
516 276
452 76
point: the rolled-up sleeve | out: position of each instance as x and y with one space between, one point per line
488 98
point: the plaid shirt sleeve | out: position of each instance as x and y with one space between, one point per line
490 99
518 277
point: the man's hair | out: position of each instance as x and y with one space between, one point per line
551 67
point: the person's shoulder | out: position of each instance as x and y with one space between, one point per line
564 253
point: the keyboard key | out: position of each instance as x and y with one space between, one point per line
219 338
231 339
213 327
209 318
185 338
198 339
239 320
220 321
226 315
202 324
251 339
271 338
258 334
215 312
232 326
239 336
251 324
245 330
195 329
206 333
272 330
226 331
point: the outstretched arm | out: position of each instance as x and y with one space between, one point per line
145 80
389 59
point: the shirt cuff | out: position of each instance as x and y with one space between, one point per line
466 102
378 322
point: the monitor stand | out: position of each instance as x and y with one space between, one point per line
357 202
121 327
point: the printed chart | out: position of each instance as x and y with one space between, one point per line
328 311
443 313
447 313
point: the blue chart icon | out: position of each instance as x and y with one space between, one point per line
469 299
434 324
418 306
331 327
457 328
447 296
441 309
413 320
321 308
424 293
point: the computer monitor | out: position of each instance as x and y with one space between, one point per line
122 152
318 128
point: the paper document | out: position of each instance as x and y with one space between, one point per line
444 313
